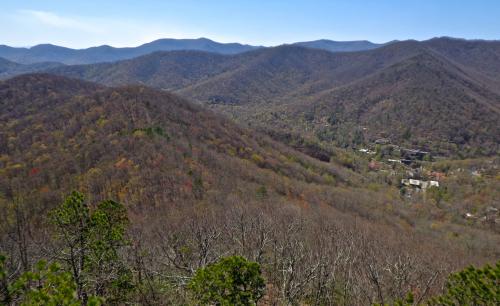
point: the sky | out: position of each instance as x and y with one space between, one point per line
120 23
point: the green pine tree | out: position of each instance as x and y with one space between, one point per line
231 281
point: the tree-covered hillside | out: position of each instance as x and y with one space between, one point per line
166 188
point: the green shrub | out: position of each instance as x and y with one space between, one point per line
472 286
231 281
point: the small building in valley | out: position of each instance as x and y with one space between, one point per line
420 184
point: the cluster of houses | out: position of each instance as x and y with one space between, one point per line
415 179
420 184
408 156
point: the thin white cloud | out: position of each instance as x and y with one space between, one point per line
76 31
53 20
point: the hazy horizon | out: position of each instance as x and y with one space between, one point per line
269 23
256 45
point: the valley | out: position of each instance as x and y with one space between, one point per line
352 173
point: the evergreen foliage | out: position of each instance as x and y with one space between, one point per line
231 281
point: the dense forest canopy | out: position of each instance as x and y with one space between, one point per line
192 172
135 195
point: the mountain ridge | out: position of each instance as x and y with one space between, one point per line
247 86
10 68
450 106
106 53
340 46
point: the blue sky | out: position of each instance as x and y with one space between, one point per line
121 23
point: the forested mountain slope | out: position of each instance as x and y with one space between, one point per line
266 72
134 135
197 186
10 69
414 102
454 82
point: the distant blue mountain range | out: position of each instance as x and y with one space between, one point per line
52 53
